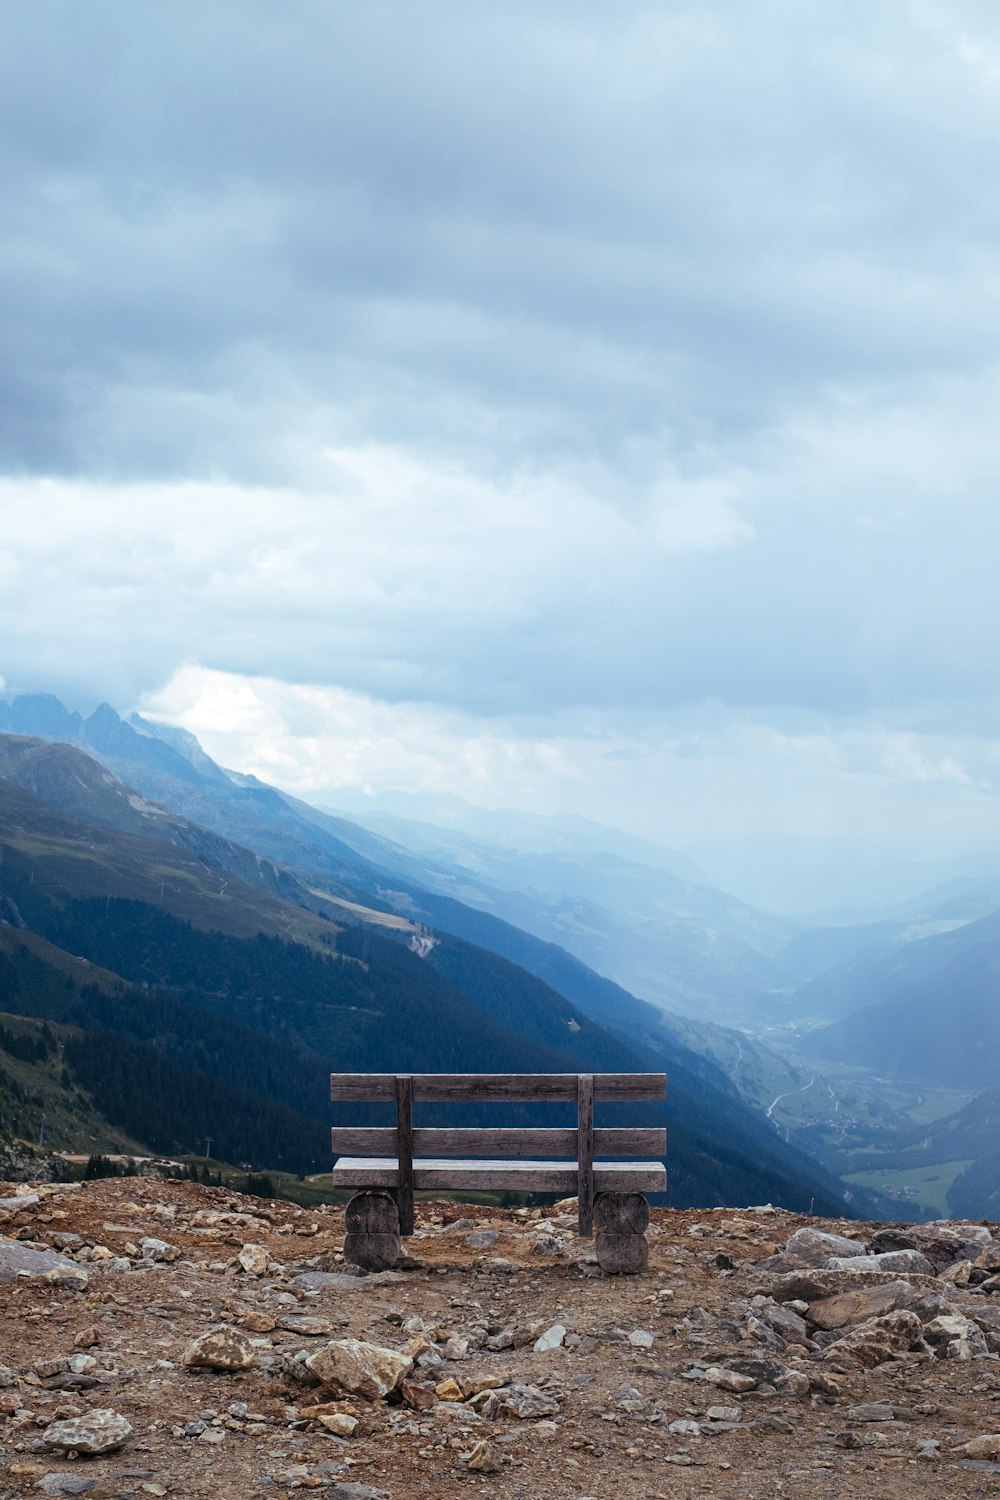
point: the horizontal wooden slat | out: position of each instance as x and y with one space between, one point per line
351 1140
642 1140
496 1176
440 1087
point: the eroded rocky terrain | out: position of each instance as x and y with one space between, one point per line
161 1338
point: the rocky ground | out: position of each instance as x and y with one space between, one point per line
209 1344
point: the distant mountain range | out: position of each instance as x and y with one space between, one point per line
937 1016
680 944
207 949
536 911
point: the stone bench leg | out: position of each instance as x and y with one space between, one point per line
372 1240
621 1220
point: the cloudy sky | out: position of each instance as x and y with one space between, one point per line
579 407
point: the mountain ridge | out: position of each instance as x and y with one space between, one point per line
680 957
713 1119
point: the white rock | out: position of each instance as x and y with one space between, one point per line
484 1458
219 1349
364 1369
98 1431
254 1259
71 1278
956 1337
900 1262
339 1423
729 1380
809 1248
724 1414
153 1249
552 1338
528 1402
986 1446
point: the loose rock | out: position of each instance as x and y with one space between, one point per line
986 1446
955 1337
484 1458
340 1423
17 1260
254 1260
878 1339
527 1401
364 1369
729 1380
813 1248
219 1349
99 1431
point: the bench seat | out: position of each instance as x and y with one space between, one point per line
513 1176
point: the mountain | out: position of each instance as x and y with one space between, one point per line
71 781
680 944
816 951
674 940
890 968
943 1029
451 823
974 1132
231 998
174 772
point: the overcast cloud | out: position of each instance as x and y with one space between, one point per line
576 406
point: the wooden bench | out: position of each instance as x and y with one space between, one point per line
389 1163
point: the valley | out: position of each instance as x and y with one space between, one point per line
228 943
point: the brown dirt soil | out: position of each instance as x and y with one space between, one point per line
136 1324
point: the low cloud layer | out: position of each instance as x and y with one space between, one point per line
547 376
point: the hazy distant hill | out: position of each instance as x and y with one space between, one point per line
942 1027
975 1132
446 825
817 951
899 965
673 940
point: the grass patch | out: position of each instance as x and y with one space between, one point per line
923 1187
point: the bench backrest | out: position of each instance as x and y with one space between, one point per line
581 1144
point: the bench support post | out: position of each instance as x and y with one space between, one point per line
372 1239
404 1151
621 1219
585 1153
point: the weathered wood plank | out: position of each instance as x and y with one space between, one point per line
404 1152
490 1176
585 1153
440 1087
637 1140
513 1141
